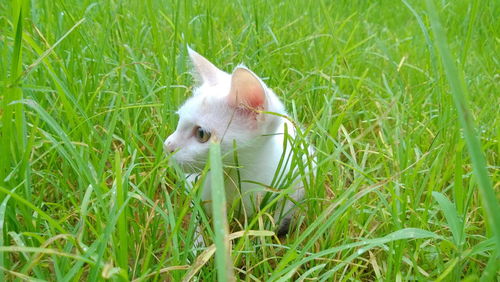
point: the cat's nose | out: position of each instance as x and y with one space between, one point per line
168 146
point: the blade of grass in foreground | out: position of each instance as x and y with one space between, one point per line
10 141
459 90
3 207
122 235
222 251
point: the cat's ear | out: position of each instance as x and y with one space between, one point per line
247 90
204 70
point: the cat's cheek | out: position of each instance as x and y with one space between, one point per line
187 164
181 157
179 161
177 157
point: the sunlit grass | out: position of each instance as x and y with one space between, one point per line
400 100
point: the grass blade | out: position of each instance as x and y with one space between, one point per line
459 93
222 244
450 213
16 249
3 206
53 223
203 258
122 249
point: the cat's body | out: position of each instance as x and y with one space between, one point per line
257 162
237 109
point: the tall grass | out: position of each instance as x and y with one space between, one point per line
398 98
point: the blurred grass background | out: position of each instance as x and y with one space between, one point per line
88 92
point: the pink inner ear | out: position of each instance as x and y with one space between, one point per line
255 98
246 90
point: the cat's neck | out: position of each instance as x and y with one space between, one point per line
265 151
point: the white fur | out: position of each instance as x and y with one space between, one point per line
259 136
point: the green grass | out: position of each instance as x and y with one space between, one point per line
399 98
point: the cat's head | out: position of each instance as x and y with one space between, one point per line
223 108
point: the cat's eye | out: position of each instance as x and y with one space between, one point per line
202 135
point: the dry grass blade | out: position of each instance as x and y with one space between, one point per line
203 258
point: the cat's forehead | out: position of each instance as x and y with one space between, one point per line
213 90
192 106
196 108
204 98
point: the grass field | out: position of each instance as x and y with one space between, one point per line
400 99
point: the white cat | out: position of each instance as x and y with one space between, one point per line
240 108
